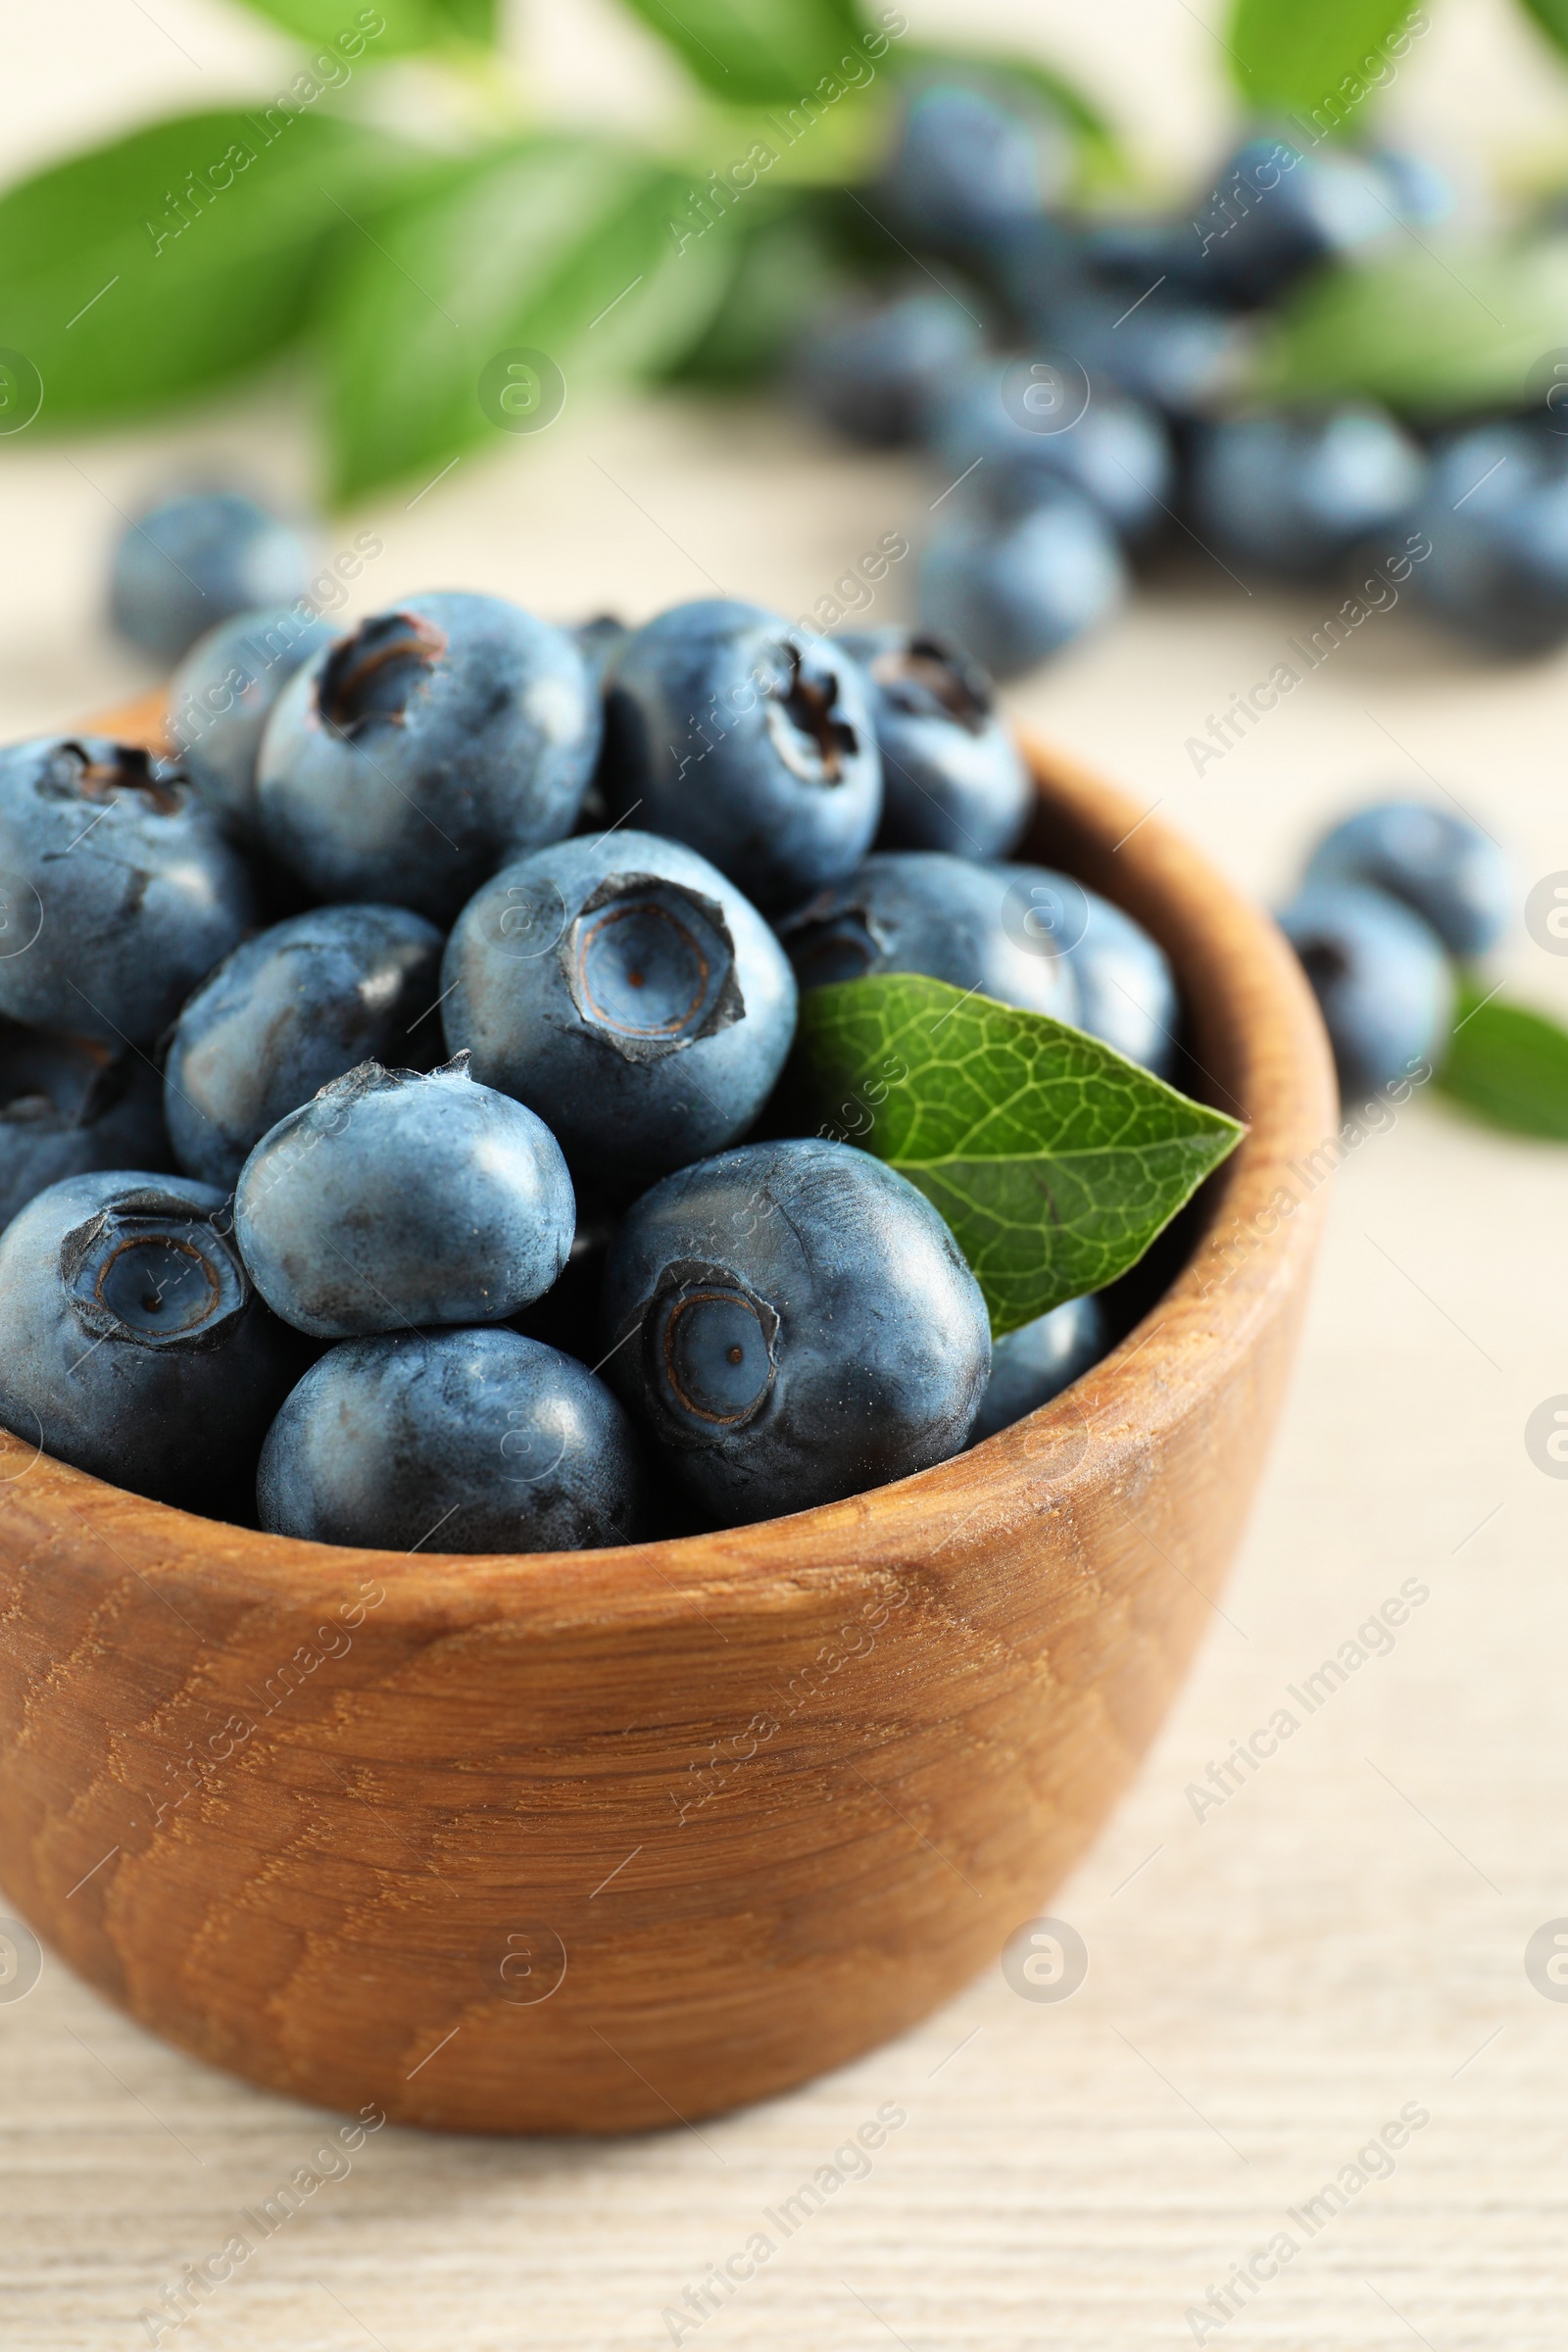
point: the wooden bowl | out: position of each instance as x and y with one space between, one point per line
596 1841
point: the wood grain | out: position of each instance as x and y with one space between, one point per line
738 1807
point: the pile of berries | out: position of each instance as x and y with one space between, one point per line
392 1146
1079 384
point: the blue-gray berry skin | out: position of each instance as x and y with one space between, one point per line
878 367
627 992
1277 210
1117 453
191 562
971 161
1295 494
291 1009
1443 866
222 695
68 1105
734 732
453 1441
953 776
117 891
1126 989
1179 355
918 911
1031 1365
791 1322
133 1343
393 1200
405 761
599 641
1383 983
1495 520
1013 594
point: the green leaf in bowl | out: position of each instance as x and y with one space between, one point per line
1508 1066
560 245
1054 1161
168 260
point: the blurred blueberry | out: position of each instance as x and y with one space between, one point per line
747 739
1115 450
222 695
291 1009
185 564
876 368
1031 1365
1126 989
1383 983
917 911
1420 191
392 1199
1443 868
969 161
1183 357
791 1323
953 776
1013 594
117 891
1496 515
131 1342
1296 493
599 641
1277 210
406 761
69 1105
1144 253
630 995
462 1441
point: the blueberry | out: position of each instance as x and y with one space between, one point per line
118 892
599 641
1014 594
1496 515
407 760
1126 989
69 1105
917 911
627 992
186 565
1297 493
1419 190
877 367
464 1441
953 776
1381 978
1019 428
222 697
1180 355
792 1323
1277 211
291 1009
131 1342
393 1200
1033 1364
1443 868
749 742
970 162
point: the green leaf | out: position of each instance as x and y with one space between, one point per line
560 245
754 51
405 24
1433 333
785 270
1054 1161
1553 18
1508 1066
163 262
1284 55
1102 159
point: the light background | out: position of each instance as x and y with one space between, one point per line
1271 1984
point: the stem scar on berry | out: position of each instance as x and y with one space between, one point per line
374 674
808 703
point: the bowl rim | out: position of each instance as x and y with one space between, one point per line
1152 1377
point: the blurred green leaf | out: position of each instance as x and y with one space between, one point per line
786 268
1433 333
1286 55
153 266
1102 159
754 51
1508 1066
391 28
559 245
1553 18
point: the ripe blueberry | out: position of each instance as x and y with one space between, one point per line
68 1105
970 161
462 1441
289 1011
1295 494
1495 518
191 562
791 1322
1443 868
222 697
1031 1365
1382 981
393 1200
1117 453
953 776
1015 593
877 367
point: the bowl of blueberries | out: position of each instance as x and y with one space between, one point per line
541 1594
